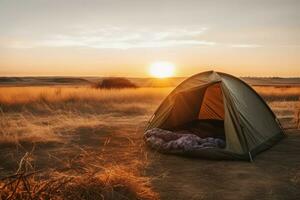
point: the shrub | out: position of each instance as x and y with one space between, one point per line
118 83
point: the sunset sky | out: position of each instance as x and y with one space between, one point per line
124 37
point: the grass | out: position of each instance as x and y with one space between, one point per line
115 183
25 95
40 114
78 182
66 121
279 93
85 143
284 101
16 98
44 114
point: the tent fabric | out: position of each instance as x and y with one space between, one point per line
212 106
249 124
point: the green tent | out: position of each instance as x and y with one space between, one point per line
249 124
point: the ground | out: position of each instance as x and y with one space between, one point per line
75 130
274 174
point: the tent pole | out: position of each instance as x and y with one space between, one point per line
149 121
249 153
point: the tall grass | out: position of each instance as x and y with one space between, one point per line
81 99
284 101
279 93
26 95
10 96
64 115
80 181
41 114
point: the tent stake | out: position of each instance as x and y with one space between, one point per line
250 157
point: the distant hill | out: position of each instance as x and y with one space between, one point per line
140 82
42 81
271 81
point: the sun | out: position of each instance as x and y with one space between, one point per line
162 69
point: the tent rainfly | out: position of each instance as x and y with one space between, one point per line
250 126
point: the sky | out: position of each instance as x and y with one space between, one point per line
123 37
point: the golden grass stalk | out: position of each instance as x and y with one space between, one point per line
114 183
10 96
104 182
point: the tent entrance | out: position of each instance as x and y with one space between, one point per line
212 106
210 115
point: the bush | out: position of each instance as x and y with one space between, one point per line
118 83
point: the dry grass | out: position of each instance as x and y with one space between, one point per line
79 181
21 128
23 96
72 130
285 102
88 142
279 93
41 114
11 97
114 183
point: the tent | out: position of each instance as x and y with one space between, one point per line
250 126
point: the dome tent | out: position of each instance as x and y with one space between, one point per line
249 124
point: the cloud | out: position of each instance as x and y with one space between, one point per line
120 38
245 45
111 37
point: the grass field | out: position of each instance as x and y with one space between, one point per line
65 142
